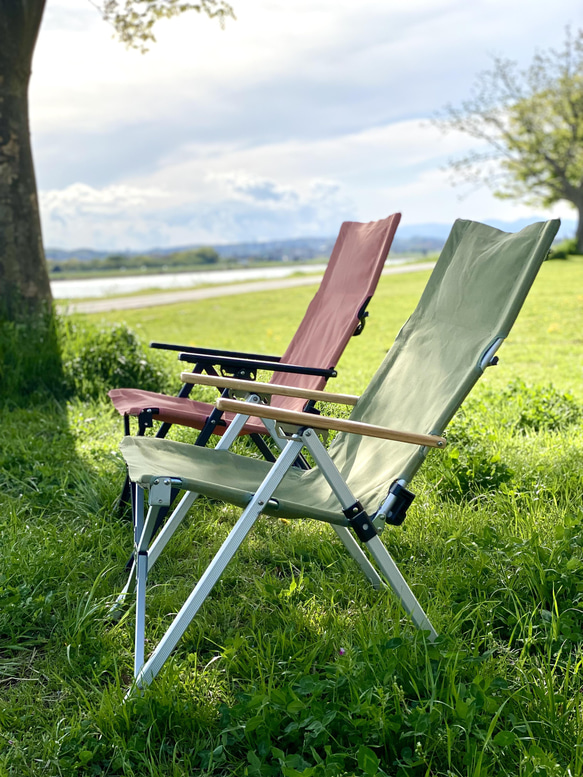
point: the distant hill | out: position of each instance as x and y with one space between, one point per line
411 238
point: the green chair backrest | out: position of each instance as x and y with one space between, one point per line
471 300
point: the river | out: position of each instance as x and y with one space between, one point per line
105 287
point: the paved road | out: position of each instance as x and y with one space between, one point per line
193 295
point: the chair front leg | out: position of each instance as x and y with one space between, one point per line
150 669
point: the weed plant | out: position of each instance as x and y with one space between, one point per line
295 666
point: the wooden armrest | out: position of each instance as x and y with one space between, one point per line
254 387
323 422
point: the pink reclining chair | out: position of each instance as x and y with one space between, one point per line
336 313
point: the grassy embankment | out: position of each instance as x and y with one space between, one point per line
295 666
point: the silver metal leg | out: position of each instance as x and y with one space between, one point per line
400 586
378 551
141 565
346 499
358 555
215 569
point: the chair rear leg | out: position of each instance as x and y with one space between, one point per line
262 446
400 586
358 555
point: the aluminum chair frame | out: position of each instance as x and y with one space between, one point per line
292 445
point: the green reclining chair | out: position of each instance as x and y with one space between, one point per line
359 484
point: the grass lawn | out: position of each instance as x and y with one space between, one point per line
295 666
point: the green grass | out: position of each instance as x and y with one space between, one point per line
295 666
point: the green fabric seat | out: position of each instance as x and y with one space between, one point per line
230 477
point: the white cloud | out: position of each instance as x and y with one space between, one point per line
81 198
274 191
295 116
126 217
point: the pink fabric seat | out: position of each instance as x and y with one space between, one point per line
175 410
331 319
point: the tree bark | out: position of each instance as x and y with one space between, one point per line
24 280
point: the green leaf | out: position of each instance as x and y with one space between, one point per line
84 756
504 738
253 723
367 761
253 759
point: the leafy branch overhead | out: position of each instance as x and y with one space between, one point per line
530 126
134 20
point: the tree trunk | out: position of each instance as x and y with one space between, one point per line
24 281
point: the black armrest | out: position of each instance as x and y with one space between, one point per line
214 352
203 360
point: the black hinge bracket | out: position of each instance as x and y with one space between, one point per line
360 522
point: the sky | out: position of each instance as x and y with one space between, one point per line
293 118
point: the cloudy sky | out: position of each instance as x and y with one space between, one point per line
298 115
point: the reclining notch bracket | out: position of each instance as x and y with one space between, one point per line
145 420
362 315
394 508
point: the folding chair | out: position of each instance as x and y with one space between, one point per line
466 311
336 313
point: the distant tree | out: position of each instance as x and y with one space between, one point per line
207 255
531 122
115 262
24 282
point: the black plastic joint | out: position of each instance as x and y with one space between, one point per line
360 522
145 418
403 499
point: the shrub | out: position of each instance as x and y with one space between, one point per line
538 408
468 467
465 473
564 249
99 358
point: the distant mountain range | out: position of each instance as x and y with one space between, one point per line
411 238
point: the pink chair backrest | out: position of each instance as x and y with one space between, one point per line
331 319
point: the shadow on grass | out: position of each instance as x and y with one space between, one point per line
59 477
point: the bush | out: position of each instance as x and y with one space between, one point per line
99 358
538 408
564 249
468 467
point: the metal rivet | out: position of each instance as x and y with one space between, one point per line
260 503
365 526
